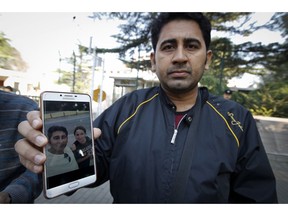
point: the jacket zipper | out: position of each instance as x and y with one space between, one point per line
176 130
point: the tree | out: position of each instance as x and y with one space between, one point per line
229 60
135 35
276 62
10 58
272 98
79 77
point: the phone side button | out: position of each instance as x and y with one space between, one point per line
73 185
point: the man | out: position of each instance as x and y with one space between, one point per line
227 94
17 185
8 89
60 158
174 143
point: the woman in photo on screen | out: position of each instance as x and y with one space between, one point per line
82 147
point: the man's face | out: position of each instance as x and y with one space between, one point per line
58 141
227 96
180 57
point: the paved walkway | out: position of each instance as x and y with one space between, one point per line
280 168
99 195
274 134
270 132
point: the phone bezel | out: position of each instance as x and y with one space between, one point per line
81 182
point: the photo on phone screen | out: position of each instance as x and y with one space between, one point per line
67 123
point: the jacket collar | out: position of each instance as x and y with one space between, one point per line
203 95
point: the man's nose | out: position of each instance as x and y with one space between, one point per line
180 55
62 140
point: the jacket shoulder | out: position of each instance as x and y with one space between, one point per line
234 115
224 105
128 104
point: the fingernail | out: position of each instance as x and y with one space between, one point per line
35 123
40 140
38 159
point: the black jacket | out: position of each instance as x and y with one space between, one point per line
137 154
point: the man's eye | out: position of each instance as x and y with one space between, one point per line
193 46
167 47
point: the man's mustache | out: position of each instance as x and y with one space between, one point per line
180 68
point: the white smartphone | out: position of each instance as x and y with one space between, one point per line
70 152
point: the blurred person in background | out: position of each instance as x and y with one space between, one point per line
227 94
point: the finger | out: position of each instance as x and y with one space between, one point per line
31 166
97 133
30 156
34 119
34 136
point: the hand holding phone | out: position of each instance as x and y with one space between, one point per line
67 123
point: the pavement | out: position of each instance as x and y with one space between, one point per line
280 168
274 134
99 195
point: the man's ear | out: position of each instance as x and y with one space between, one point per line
208 59
152 59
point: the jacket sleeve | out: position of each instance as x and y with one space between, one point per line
253 180
102 150
26 188
107 122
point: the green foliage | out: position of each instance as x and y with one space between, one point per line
262 111
210 81
82 81
79 78
10 58
270 100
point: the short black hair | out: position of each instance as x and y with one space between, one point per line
163 18
52 129
228 91
80 128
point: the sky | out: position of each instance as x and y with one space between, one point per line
43 38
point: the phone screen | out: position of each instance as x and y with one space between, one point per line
67 123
